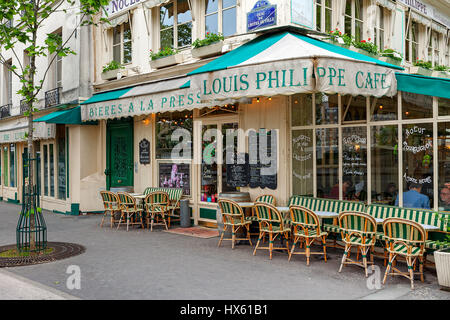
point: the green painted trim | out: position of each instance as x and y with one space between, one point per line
206 213
13 201
110 95
75 209
67 164
60 212
430 86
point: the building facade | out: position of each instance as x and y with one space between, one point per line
336 144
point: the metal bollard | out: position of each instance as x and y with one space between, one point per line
185 217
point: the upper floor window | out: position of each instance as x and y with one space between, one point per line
354 18
220 17
122 43
175 24
9 82
379 28
324 14
412 41
434 50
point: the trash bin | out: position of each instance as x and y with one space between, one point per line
185 216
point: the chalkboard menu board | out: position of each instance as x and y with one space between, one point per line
175 175
238 174
144 151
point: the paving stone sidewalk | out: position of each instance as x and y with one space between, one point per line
140 264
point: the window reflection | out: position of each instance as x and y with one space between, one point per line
326 109
416 106
327 158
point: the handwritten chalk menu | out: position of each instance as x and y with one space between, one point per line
238 174
175 175
255 165
209 174
355 152
144 151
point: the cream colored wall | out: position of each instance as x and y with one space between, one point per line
143 129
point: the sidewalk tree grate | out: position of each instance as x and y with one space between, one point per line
61 250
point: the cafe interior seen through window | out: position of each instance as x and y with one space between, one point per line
174 129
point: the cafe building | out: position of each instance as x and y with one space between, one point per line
333 122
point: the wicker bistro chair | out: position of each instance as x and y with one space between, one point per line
404 238
306 227
111 202
358 229
130 210
157 206
233 217
271 223
265 198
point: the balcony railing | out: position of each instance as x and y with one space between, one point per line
52 97
5 111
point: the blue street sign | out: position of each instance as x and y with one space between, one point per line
262 15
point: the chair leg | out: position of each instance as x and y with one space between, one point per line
287 244
248 234
261 235
223 234
120 220
308 250
364 251
270 245
101 223
410 262
391 259
421 268
233 236
344 257
324 244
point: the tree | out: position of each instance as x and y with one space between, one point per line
21 25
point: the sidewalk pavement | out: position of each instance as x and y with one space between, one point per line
140 264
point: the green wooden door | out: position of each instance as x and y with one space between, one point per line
120 155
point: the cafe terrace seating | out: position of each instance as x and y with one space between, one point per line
130 211
156 206
358 230
404 238
175 195
306 227
111 204
233 217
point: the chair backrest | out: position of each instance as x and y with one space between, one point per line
266 198
110 199
126 200
157 200
231 211
332 205
175 194
305 217
398 230
357 223
268 215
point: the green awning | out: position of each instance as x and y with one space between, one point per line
70 116
430 86
105 96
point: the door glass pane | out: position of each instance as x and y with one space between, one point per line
46 169
62 166
230 145
301 110
384 109
52 170
326 109
354 162
302 162
12 165
229 22
418 166
416 106
209 164
384 164
327 158
444 165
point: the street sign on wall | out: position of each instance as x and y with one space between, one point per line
262 15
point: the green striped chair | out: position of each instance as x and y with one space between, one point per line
271 224
175 195
233 217
358 230
266 198
111 203
306 227
130 211
404 238
156 205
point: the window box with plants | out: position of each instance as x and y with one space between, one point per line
391 56
422 68
339 39
114 70
441 72
165 57
209 47
366 48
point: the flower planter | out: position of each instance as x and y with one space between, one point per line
420 71
167 61
114 74
211 50
442 261
336 43
391 61
440 74
364 52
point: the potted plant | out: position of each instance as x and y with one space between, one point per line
165 57
391 56
113 70
340 39
421 67
208 47
441 72
442 262
367 48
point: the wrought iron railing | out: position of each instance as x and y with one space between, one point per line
5 111
52 97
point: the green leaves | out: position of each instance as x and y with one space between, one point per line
113 65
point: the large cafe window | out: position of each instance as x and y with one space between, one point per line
220 17
175 24
174 149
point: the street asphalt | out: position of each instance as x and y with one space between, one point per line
140 264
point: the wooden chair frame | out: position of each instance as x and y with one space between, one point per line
269 224
312 222
111 203
157 209
411 259
368 239
129 209
229 220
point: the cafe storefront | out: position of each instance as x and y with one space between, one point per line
331 122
